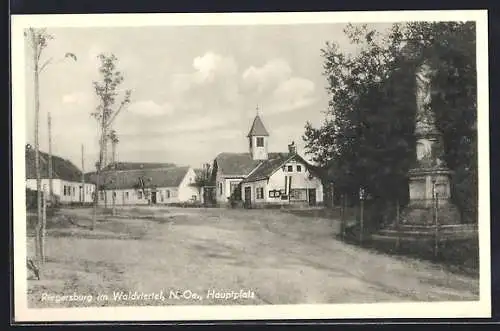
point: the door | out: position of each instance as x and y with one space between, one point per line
248 196
312 196
153 197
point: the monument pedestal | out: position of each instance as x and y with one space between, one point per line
423 182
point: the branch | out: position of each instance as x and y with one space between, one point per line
125 101
45 64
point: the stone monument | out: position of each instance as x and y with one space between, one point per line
429 180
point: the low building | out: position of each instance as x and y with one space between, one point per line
285 179
67 185
259 177
147 185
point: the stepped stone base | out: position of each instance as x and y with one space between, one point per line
447 213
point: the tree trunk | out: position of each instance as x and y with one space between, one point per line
113 156
44 225
98 183
103 157
51 190
38 240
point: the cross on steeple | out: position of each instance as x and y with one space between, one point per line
257 109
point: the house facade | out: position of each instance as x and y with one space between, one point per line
67 184
286 180
147 186
260 177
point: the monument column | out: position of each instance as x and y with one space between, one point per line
430 178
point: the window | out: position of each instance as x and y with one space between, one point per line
114 194
101 195
290 168
44 187
259 193
220 188
233 187
274 194
126 195
167 193
139 195
299 168
73 191
298 194
260 142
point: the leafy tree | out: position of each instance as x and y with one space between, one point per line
367 137
203 179
107 90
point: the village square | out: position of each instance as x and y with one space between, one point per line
259 174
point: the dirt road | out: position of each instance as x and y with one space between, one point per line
198 256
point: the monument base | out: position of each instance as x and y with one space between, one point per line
447 214
421 209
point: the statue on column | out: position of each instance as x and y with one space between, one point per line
429 149
425 118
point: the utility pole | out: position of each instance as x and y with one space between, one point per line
51 174
83 176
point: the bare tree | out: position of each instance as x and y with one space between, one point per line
106 90
38 40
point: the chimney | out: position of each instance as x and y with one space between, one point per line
292 149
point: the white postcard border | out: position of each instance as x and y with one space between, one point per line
481 308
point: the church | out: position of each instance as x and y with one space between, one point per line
259 177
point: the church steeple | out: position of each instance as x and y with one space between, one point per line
257 139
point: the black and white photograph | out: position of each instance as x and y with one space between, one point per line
251 166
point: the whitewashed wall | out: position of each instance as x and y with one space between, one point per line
186 190
300 180
75 194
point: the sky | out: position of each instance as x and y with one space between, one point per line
195 89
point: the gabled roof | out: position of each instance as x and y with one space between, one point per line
137 165
257 128
268 167
129 179
239 164
61 168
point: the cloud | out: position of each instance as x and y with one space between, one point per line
291 94
211 65
150 108
74 97
266 77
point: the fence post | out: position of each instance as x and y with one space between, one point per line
398 234
361 211
361 222
342 215
436 225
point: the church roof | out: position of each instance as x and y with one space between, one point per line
268 167
239 164
257 128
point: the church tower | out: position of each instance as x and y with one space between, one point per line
257 139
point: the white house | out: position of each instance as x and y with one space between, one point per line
260 177
147 185
67 185
287 179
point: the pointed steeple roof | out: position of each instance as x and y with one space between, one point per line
257 128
